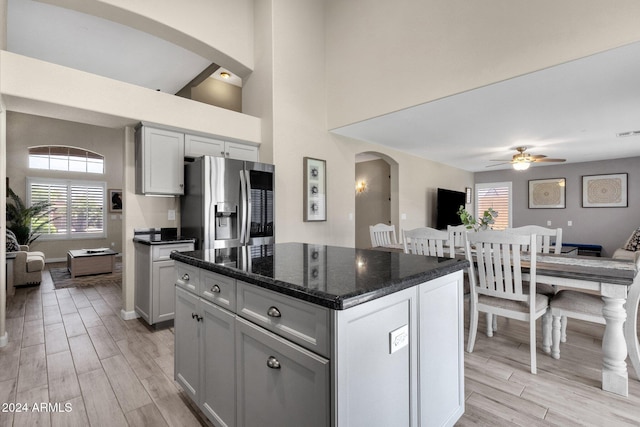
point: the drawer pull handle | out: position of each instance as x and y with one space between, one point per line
215 289
195 316
273 312
185 277
273 363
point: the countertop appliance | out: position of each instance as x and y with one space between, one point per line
227 203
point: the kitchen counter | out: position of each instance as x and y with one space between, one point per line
315 335
158 236
333 277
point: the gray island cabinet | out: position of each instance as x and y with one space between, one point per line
295 334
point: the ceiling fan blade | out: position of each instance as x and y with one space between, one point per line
551 160
498 164
500 160
536 156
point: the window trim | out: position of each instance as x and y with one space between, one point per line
483 185
68 183
87 155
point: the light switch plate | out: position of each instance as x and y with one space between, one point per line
398 339
171 215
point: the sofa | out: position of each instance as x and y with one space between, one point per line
25 266
630 248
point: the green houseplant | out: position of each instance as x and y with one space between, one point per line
27 222
488 218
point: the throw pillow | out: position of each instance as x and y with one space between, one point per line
12 242
634 241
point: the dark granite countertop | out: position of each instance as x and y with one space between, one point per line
157 239
334 277
159 236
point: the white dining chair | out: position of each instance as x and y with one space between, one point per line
457 234
427 241
588 307
548 240
497 288
383 235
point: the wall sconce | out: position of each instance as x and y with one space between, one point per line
361 186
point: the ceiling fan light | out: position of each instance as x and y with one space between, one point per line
521 166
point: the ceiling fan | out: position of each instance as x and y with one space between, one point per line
522 160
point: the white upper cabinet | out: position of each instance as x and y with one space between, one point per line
159 164
197 145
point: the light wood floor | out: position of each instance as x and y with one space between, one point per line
70 345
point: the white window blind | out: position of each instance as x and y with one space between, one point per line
495 195
79 207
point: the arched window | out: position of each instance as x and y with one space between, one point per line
62 158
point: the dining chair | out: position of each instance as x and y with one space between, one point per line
548 241
457 234
544 236
427 241
588 307
383 235
497 287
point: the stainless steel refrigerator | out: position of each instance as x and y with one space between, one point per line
227 203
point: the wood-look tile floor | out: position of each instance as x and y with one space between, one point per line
70 347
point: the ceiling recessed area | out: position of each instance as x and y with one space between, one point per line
572 111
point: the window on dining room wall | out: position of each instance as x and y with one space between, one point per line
496 195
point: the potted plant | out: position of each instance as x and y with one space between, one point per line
488 218
27 222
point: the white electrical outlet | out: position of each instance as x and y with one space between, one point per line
403 216
398 339
569 223
171 215
548 223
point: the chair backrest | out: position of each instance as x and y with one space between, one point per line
544 237
383 235
495 269
427 241
457 233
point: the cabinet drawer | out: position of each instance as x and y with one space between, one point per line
301 322
188 277
162 252
218 289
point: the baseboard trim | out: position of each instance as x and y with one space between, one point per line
128 315
4 340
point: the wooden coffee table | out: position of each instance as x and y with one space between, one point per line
83 262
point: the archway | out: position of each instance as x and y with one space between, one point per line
376 194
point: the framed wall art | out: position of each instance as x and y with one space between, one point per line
115 200
315 193
547 193
604 191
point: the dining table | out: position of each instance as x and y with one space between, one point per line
618 283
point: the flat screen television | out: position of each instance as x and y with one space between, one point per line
447 205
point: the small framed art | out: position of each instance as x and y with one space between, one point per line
115 200
547 193
604 191
315 193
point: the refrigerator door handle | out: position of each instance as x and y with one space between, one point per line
243 213
248 199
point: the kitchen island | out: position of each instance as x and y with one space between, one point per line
299 334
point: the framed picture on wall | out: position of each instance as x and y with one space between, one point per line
115 200
547 193
315 195
604 191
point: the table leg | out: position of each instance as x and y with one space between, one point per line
615 377
631 327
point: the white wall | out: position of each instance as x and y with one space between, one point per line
383 56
